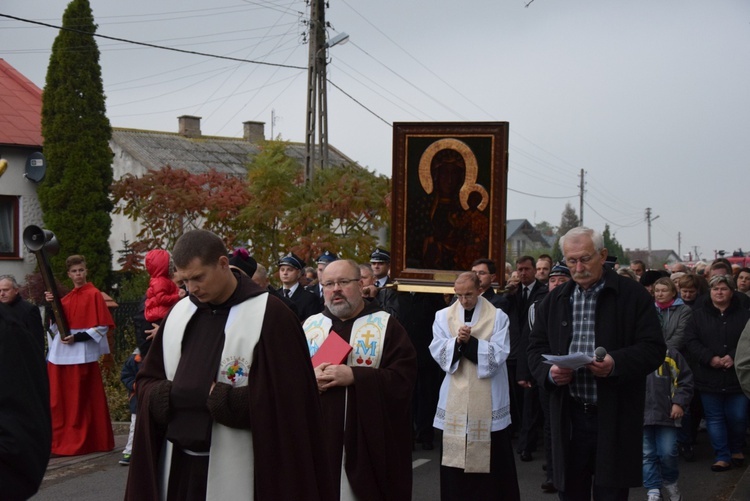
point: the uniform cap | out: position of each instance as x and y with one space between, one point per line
380 256
293 260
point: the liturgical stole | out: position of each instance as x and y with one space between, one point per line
231 454
367 338
468 414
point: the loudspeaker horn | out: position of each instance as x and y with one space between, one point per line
36 238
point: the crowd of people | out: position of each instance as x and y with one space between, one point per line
321 388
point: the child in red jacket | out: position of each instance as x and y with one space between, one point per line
162 292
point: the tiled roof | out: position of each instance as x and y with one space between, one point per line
155 150
21 105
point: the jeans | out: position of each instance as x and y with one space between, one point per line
659 456
726 422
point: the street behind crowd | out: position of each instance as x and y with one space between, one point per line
98 477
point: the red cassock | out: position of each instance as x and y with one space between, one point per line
80 416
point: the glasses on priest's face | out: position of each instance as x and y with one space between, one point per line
341 283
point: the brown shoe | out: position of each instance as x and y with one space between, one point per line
720 466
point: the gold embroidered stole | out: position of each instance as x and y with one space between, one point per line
468 415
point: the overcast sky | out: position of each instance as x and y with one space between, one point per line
650 98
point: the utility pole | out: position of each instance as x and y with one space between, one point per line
316 88
273 122
649 219
580 210
679 244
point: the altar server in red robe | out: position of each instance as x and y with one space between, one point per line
80 416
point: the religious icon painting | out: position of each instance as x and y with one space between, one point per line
449 192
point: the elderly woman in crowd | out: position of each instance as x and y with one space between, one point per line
673 313
691 287
712 339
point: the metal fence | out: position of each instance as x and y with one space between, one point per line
124 332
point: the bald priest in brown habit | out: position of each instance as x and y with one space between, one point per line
366 396
228 405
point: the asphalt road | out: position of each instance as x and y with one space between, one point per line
99 477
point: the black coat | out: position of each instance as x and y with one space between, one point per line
628 328
25 429
28 315
709 334
306 302
518 316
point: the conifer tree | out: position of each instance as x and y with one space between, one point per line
75 192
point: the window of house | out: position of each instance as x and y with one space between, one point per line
9 221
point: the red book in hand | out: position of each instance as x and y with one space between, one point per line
334 350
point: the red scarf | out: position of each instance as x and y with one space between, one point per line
664 306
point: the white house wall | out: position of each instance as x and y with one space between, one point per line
14 184
123 228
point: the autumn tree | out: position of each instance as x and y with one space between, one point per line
341 210
76 130
274 182
167 202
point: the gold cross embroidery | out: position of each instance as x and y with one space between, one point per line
454 424
478 431
367 336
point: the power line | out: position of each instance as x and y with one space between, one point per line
368 87
411 84
362 105
420 63
639 221
539 196
153 46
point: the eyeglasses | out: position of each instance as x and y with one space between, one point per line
482 273
465 296
571 262
341 283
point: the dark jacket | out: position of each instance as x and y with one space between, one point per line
498 300
305 301
671 383
712 333
518 317
127 376
25 429
523 373
387 298
628 328
28 315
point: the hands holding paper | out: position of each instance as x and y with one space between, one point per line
564 366
329 375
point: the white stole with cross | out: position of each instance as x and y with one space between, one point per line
468 414
231 454
366 340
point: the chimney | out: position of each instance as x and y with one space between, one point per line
254 132
189 126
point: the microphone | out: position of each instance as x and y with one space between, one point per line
600 353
